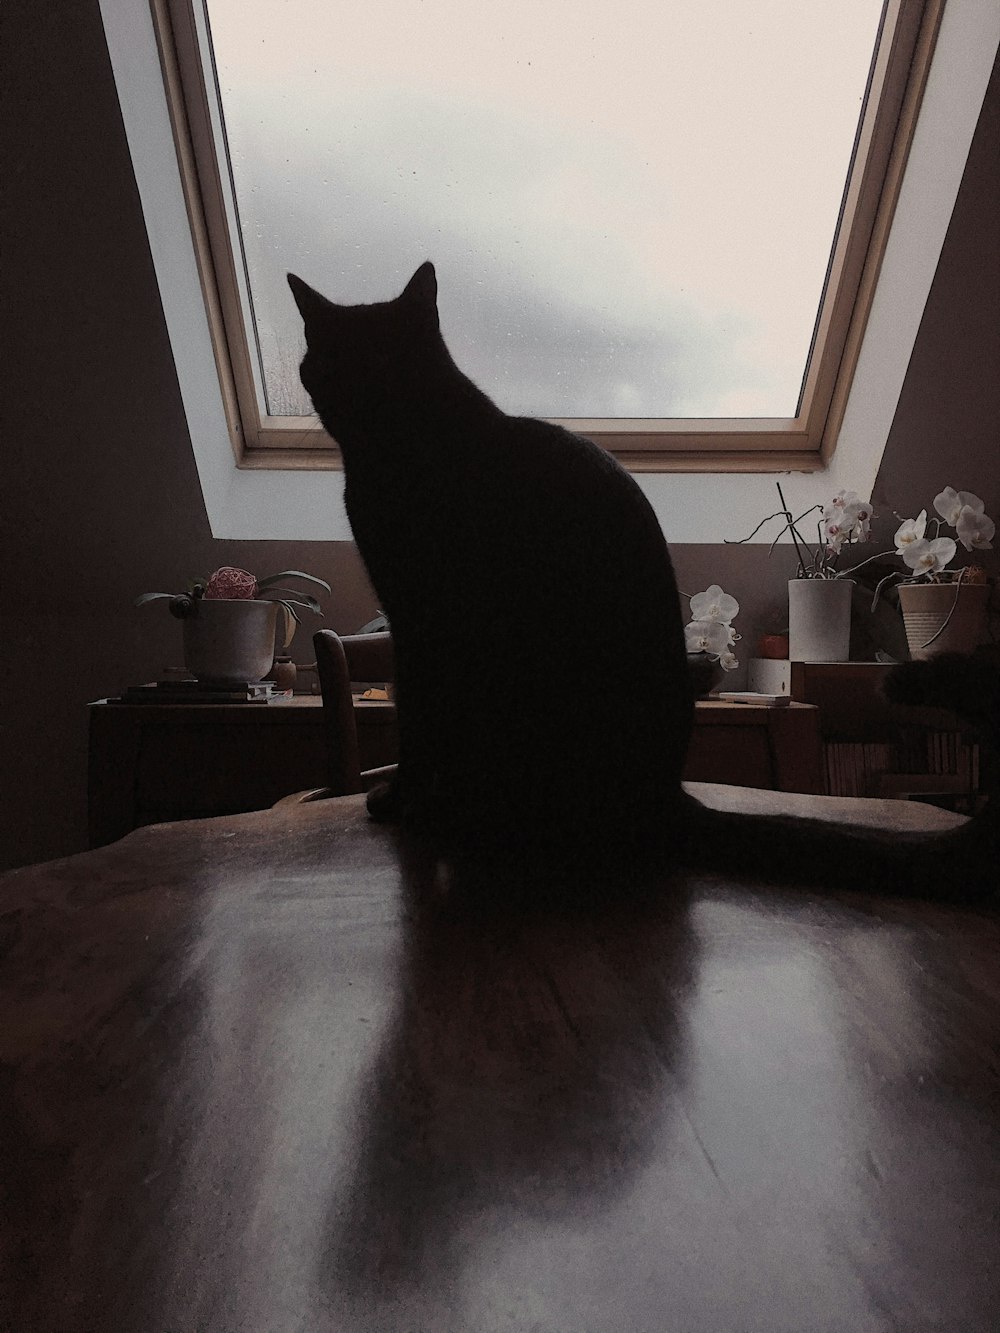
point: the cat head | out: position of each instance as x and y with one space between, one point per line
359 355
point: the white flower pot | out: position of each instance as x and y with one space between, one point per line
230 641
819 620
926 607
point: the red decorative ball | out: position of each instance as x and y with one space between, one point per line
229 584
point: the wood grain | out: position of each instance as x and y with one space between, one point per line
260 1073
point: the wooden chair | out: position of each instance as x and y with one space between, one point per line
339 661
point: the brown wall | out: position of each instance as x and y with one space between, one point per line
101 494
946 431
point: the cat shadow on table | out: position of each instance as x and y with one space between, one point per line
527 1073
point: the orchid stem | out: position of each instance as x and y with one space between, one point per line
791 527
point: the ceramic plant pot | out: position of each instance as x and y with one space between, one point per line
927 606
230 641
819 620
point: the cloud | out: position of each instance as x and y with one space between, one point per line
541 301
631 209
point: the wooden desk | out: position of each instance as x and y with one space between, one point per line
252 1087
746 745
150 764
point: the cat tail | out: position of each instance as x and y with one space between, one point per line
960 864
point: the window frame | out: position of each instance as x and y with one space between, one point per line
803 443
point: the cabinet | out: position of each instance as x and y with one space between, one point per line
872 747
148 763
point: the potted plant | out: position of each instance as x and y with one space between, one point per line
709 637
944 610
230 621
819 597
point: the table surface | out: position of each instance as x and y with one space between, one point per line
257 1078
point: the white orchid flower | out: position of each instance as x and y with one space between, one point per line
728 661
714 605
975 529
707 636
846 516
925 557
912 530
833 532
861 514
834 511
950 503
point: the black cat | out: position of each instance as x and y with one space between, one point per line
542 686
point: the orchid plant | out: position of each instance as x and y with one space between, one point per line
711 631
927 556
232 584
846 520
843 521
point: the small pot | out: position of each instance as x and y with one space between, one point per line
774 647
927 606
230 641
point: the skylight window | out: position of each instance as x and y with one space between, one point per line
649 220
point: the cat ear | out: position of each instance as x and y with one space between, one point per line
422 287
309 301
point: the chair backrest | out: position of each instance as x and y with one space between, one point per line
338 662
369 656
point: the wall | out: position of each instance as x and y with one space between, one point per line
946 431
101 494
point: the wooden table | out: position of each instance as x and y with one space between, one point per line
150 764
255 1082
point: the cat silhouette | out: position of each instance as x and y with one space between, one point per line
542 687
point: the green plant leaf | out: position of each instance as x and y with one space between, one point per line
294 601
152 597
272 579
291 620
299 598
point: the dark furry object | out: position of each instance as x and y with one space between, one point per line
524 572
968 686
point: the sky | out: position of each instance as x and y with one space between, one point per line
630 207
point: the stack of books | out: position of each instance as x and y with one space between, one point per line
203 692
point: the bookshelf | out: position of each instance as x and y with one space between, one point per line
872 747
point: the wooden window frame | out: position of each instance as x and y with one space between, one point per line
803 443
